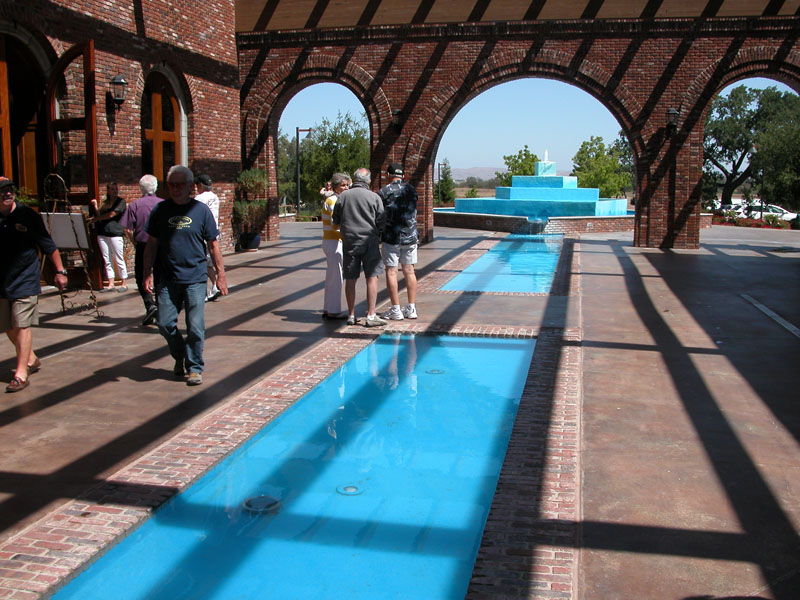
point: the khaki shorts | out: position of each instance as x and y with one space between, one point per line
19 313
399 255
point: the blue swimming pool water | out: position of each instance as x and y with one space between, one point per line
385 473
518 263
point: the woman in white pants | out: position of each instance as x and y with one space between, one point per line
106 219
332 247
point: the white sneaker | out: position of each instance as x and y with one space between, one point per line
374 321
393 314
409 312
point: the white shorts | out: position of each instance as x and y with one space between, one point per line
399 255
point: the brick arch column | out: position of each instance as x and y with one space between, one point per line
420 145
670 171
637 68
266 101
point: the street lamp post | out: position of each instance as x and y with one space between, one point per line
440 165
298 131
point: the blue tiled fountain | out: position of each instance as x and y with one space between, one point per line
544 195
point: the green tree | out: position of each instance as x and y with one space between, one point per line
622 150
711 183
444 190
472 192
287 184
730 137
521 163
341 146
598 167
776 162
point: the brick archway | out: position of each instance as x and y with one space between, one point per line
413 80
270 96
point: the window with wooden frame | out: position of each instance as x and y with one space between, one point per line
161 126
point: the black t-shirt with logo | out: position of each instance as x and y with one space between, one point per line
182 231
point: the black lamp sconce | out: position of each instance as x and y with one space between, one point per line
398 118
672 121
118 89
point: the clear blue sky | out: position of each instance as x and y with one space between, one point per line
542 113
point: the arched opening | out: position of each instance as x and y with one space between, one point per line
751 150
326 126
164 129
513 124
23 156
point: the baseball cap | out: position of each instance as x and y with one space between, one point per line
204 179
395 169
6 182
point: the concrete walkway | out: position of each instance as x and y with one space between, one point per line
691 417
682 453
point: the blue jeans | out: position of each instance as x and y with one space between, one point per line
171 298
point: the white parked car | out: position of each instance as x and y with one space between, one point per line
756 211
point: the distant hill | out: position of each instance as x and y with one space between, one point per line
460 174
479 172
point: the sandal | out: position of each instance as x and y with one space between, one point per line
17 385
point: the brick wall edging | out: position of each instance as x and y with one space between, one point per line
531 544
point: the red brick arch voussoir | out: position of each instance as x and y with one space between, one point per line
754 61
506 66
275 90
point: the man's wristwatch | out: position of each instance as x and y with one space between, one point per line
61 272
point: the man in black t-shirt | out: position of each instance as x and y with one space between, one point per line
22 236
180 229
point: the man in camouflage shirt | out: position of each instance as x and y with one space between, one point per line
400 239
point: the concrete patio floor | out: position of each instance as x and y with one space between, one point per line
674 395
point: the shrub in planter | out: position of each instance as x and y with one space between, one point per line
775 221
251 209
254 183
250 217
730 216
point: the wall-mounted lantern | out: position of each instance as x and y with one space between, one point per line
398 117
672 120
118 90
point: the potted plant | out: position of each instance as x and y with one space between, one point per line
251 209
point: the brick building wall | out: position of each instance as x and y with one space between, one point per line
412 80
134 39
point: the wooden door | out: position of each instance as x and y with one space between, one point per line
5 115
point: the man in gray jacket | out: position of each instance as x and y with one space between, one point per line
360 216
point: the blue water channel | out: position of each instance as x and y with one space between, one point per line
518 263
384 474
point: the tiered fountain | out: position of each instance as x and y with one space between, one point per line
542 196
